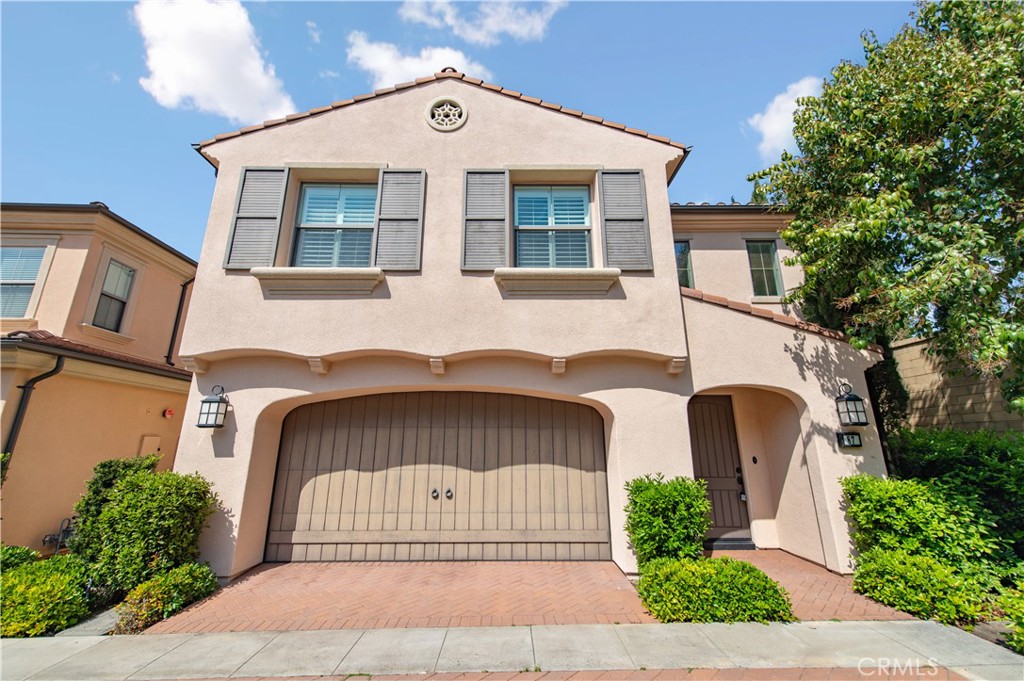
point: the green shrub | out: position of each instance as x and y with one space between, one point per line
1012 604
920 519
712 590
5 461
667 518
43 597
151 524
13 556
87 540
919 585
985 465
162 596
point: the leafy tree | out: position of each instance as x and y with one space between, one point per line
908 193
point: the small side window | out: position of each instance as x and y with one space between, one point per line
552 226
113 300
336 225
764 268
683 267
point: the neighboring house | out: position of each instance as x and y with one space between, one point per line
941 397
448 321
91 314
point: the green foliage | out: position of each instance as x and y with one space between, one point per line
13 556
919 585
163 596
87 540
43 597
907 191
151 524
888 393
911 516
1012 604
984 466
5 461
667 518
712 590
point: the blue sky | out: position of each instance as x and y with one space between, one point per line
101 101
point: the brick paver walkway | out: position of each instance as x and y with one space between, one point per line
817 594
307 596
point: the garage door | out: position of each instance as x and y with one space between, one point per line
440 476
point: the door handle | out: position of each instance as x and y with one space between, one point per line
448 494
434 494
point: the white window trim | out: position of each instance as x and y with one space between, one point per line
49 244
297 224
588 227
689 258
121 335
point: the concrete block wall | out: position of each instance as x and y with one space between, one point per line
939 399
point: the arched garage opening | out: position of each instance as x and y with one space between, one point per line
440 476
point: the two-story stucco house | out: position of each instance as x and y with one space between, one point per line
449 321
90 310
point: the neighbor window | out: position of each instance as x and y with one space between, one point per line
552 226
683 264
113 300
19 267
764 268
336 225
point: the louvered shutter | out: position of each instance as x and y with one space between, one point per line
400 220
626 234
485 224
257 220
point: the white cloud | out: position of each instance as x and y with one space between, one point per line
775 123
328 73
388 66
114 76
205 55
314 32
489 22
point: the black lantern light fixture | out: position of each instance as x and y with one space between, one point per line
213 409
851 407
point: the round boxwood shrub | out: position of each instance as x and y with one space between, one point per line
43 596
920 585
163 596
667 518
150 525
712 590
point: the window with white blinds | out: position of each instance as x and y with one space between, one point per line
19 267
336 225
552 226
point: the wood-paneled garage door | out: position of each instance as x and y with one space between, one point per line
440 476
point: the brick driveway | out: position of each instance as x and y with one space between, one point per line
306 596
817 594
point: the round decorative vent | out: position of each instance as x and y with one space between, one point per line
446 114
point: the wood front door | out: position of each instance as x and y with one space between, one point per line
716 458
440 476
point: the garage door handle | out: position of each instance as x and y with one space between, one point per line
448 494
434 494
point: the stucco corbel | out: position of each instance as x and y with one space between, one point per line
437 366
675 365
558 365
195 365
318 365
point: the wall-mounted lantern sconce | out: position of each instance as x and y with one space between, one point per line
213 409
850 407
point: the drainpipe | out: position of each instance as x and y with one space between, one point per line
177 321
26 395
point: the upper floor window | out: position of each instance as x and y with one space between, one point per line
113 300
683 268
764 268
336 225
552 226
19 267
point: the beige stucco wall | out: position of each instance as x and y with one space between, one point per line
76 419
942 399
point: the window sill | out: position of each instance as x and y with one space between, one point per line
105 334
312 282
766 299
554 281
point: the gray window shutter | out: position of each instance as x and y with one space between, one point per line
627 243
485 220
400 219
257 219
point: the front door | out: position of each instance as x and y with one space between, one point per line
716 458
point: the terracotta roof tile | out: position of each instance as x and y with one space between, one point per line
441 76
39 337
769 315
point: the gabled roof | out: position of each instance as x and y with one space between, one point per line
447 73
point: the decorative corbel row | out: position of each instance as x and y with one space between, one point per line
195 365
558 365
675 365
437 366
318 365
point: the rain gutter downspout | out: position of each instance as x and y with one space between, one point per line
177 321
26 395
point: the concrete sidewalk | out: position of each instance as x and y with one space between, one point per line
868 650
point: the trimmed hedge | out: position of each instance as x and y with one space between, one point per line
667 518
919 585
712 590
43 597
163 596
13 556
1012 604
150 525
